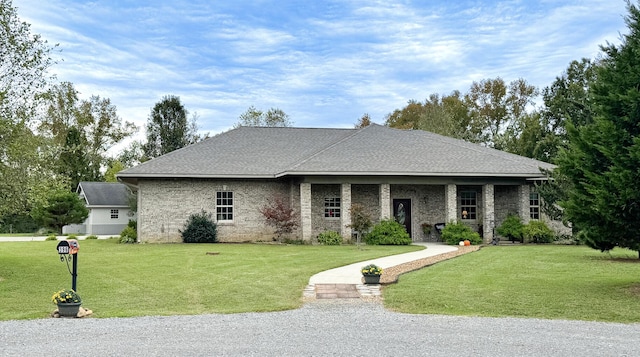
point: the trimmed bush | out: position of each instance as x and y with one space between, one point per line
128 235
200 228
454 232
511 228
93 236
51 237
330 238
388 232
538 232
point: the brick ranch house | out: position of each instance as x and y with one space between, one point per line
420 176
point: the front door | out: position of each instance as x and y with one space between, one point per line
402 213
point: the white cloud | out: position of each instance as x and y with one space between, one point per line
324 64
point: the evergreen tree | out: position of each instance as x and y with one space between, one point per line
603 157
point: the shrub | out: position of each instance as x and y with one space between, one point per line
538 232
279 215
360 220
93 236
330 238
388 232
454 232
51 237
128 235
72 236
511 228
133 224
200 228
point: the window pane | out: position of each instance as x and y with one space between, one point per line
224 206
332 207
468 205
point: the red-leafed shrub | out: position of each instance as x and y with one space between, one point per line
280 216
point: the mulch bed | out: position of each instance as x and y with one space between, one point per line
390 275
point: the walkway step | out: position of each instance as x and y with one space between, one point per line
341 291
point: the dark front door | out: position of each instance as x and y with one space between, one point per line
402 213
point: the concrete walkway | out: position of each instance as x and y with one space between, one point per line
344 282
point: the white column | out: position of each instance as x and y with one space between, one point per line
345 211
385 201
451 202
523 203
305 210
489 216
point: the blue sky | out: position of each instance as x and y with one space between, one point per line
325 63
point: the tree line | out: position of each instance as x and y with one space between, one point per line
503 115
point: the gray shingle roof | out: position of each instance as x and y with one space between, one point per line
375 150
104 193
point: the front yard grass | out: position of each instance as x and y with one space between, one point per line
550 282
117 280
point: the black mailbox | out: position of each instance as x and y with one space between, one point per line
63 247
69 246
68 250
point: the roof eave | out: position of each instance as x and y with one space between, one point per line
529 176
131 177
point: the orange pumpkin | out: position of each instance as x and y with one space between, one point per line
467 242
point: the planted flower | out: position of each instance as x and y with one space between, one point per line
66 296
371 270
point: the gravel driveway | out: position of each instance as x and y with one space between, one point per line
321 328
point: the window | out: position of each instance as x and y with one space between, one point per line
114 214
534 205
332 207
468 205
224 206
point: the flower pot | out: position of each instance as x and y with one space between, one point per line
371 279
69 309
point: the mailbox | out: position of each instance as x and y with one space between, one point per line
68 250
69 246
63 247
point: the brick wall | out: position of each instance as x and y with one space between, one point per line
165 205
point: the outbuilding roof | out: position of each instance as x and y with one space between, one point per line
266 152
105 194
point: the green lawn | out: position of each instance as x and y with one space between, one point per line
551 282
17 234
166 279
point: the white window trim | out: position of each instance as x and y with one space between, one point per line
534 206
232 206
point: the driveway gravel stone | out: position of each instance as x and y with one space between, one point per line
342 327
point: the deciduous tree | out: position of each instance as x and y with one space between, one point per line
24 157
83 131
274 117
364 121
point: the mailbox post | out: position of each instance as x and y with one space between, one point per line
68 250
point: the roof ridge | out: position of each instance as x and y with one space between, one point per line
299 163
479 148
